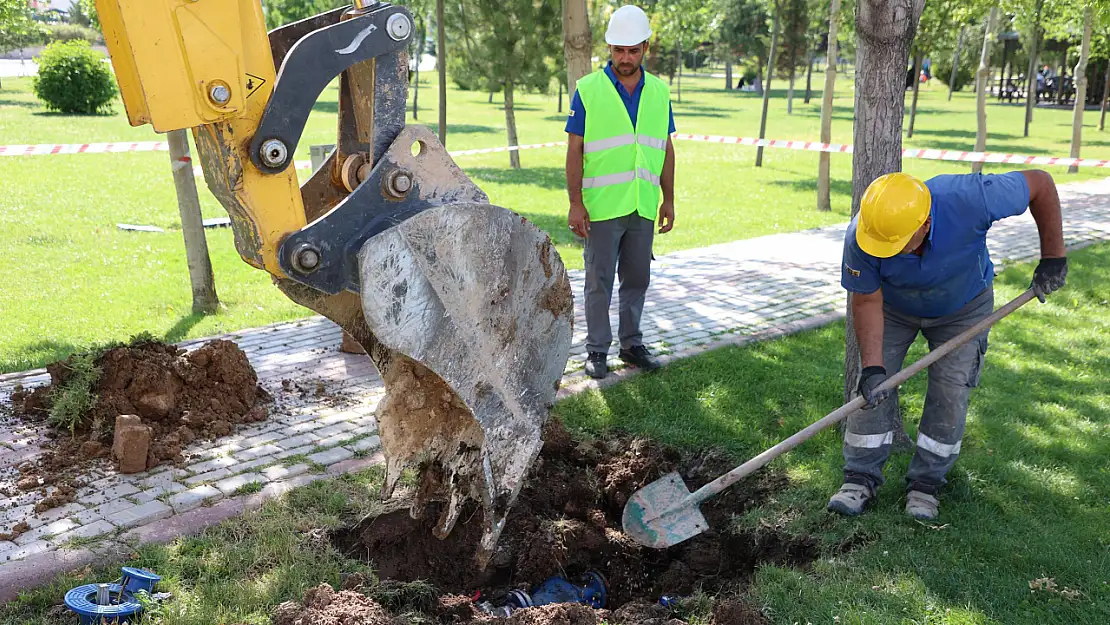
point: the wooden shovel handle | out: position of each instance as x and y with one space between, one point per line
749 467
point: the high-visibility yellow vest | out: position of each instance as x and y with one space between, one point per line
622 164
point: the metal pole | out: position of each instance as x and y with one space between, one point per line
192 227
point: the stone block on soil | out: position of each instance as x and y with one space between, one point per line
131 444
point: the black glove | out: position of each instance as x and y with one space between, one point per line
869 380
1049 275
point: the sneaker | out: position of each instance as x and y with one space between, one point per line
640 358
595 365
851 499
922 506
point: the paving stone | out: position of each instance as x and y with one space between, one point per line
296 451
141 514
194 498
61 512
211 465
114 506
299 440
211 476
230 485
46 531
25 551
366 444
157 492
331 456
17 514
92 530
260 439
88 516
255 452
93 496
280 472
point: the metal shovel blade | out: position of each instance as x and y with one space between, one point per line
655 515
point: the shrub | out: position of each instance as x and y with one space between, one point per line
73 78
71 32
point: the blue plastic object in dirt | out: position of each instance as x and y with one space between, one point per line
135 580
558 590
111 604
82 600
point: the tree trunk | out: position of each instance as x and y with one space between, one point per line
560 97
809 77
192 226
1105 95
1060 77
510 124
955 64
885 31
981 87
767 85
679 72
577 41
823 200
1031 77
1080 77
728 73
916 88
423 34
790 89
441 62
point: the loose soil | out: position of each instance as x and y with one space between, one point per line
180 396
567 522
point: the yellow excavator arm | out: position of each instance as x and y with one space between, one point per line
464 307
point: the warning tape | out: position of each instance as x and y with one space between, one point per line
811 146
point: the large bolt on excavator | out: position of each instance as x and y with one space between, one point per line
464 307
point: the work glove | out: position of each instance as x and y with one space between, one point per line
1049 275
869 380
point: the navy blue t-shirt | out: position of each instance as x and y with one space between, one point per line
955 265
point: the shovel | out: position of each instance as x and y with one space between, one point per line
665 512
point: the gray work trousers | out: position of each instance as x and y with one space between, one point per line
868 436
620 246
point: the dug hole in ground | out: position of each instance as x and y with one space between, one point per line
565 523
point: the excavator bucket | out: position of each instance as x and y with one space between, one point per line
464 307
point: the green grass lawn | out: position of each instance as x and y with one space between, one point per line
1027 499
77 280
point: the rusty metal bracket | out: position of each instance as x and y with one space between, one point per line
310 64
415 174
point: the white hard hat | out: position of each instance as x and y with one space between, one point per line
629 26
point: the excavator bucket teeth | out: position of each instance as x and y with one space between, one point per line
476 305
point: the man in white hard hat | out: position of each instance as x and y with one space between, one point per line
620 178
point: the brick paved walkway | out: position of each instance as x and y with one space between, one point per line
700 299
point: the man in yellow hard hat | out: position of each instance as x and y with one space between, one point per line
916 261
620 180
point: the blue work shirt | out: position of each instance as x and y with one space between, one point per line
576 121
954 266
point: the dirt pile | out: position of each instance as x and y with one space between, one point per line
163 397
567 522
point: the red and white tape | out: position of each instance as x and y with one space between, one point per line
811 146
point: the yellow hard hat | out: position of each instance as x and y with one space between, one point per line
892 208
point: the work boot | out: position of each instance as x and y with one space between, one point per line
595 365
640 357
922 506
851 499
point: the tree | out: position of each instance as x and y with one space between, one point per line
981 88
679 24
743 29
421 16
17 28
823 200
506 43
281 12
441 66
767 82
577 41
885 30
1080 76
795 43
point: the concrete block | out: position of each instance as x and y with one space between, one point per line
194 498
331 456
141 514
229 485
